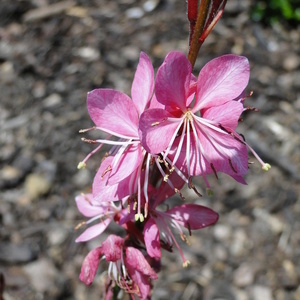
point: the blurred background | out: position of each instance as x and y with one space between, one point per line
52 53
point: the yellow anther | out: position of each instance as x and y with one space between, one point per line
139 217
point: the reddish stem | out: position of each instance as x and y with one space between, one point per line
192 16
198 30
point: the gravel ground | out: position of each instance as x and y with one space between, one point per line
50 57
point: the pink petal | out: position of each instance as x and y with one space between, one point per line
143 83
93 231
90 265
226 114
104 192
223 151
155 104
221 80
113 111
127 164
141 285
173 80
165 190
152 240
112 247
193 216
155 137
135 261
85 206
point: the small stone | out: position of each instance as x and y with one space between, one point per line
9 176
273 222
243 275
52 100
290 277
222 232
291 62
150 5
88 53
11 253
42 274
82 178
260 292
134 13
57 236
36 185
239 243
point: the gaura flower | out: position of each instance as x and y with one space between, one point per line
128 267
103 212
124 172
157 229
196 126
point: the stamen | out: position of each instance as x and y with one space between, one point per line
87 129
79 225
187 154
173 138
265 166
155 124
231 165
108 169
147 178
89 141
192 186
81 165
214 170
178 151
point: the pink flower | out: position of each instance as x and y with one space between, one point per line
125 170
89 207
117 114
196 128
157 228
128 267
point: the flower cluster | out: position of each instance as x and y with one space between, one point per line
173 128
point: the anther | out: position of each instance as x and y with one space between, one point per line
89 141
106 171
230 163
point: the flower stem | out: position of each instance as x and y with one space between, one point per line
196 43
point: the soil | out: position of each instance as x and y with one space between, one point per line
51 54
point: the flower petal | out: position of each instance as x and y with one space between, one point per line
221 80
113 111
173 80
219 153
193 216
136 262
112 247
90 265
227 114
152 240
223 151
104 192
129 161
143 83
156 130
93 231
85 206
